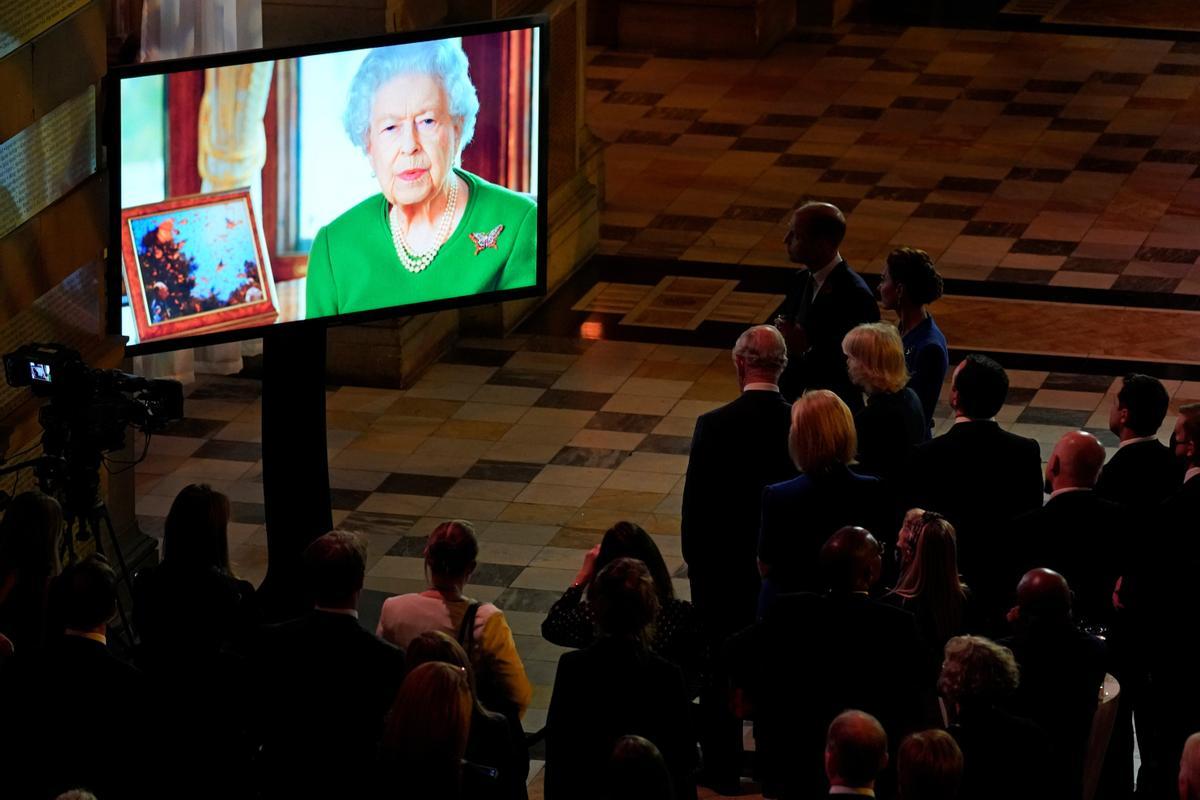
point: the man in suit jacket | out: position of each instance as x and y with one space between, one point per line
326 683
856 751
75 715
737 450
826 300
1062 669
814 656
1167 605
978 476
1143 472
1077 533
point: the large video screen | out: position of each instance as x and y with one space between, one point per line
344 182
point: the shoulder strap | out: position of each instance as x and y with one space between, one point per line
466 631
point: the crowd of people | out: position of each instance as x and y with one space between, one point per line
899 615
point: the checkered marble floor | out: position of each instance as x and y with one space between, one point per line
1029 158
543 442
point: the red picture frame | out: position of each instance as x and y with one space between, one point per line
174 289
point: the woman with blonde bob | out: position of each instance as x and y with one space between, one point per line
892 422
800 514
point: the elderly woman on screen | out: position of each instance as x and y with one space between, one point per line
435 230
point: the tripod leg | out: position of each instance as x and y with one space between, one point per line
102 515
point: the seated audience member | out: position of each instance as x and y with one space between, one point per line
191 605
481 628
814 656
979 477
1189 769
930 587
799 515
30 532
908 284
891 423
856 752
616 687
493 742
636 771
572 623
1004 756
1143 472
1062 669
325 684
73 712
1077 533
929 766
737 450
424 744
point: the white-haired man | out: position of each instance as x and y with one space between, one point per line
736 451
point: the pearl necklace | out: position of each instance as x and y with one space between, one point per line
417 262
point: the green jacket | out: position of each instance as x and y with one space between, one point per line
353 264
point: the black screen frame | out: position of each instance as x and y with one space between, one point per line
112 141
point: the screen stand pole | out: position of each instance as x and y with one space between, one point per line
295 462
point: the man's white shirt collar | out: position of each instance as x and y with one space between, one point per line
1191 473
760 387
1136 440
820 275
1066 489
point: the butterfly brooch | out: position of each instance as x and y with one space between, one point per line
485 240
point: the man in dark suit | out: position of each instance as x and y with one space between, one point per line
1077 533
74 714
814 656
737 450
326 683
856 751
979 477
1143 472
1167 606
826 300
1062 669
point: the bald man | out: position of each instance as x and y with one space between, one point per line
826 300
856 751
1061 671
1077 533
736 451
1189 769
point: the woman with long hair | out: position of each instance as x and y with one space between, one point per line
930 587
29 538
495 743
675 634
191 604
425 737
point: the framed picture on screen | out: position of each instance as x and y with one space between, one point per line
195 265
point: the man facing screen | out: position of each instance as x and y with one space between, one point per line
435 230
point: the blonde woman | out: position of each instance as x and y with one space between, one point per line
929 586
892 422
799 515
